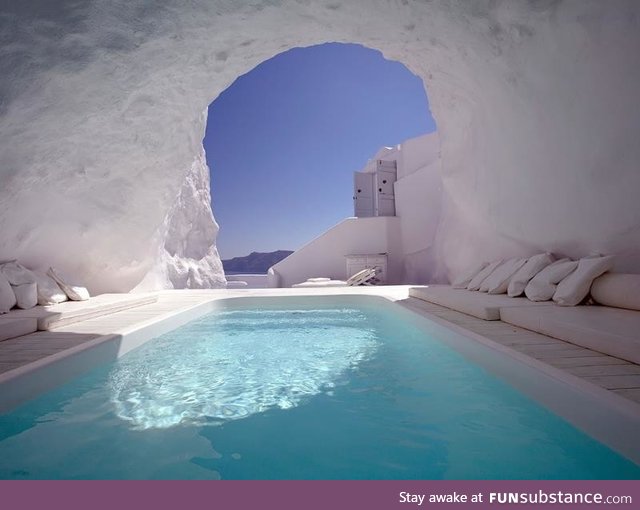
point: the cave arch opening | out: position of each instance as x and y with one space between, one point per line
535 101
283 140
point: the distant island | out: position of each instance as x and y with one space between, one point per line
255 263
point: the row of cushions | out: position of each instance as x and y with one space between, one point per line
540 278
25 289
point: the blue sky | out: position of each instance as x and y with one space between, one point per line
284 140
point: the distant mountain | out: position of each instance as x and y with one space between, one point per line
255 263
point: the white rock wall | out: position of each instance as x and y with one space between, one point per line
101 124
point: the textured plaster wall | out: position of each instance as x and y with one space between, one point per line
101 124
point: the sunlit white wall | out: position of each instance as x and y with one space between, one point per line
101 124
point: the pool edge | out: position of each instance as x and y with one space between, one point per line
621 436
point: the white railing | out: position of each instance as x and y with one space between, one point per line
253 281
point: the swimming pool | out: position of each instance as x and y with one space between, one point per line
297 388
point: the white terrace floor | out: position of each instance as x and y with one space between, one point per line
612 374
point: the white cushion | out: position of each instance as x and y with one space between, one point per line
26 295
463 280
75 293
575 287
617 289
17 274
7 297
534 265
543 285
498 281
484 286
477 280
49 293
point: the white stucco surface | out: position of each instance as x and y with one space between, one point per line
408 238
324 256
419 207
101 124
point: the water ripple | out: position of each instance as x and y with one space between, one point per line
235 364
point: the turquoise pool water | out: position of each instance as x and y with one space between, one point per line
312 393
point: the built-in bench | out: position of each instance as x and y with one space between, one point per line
45 318
612 331
479 304
11 327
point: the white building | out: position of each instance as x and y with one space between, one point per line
397 207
